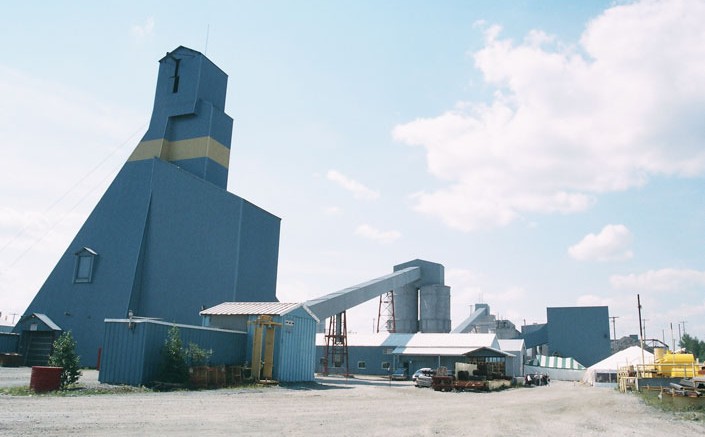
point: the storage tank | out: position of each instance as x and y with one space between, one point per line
659 352
406 309
436 316
434 308
676 365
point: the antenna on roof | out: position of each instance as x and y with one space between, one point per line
208 29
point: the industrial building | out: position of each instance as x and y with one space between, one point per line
382 353
582 333
167 239
167 245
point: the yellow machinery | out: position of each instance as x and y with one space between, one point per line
675 365
263 323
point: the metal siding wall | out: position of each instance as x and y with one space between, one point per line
373 356
258 255
132 356
434 308
582 333
123 353
406 309
417 362
9 343
188 261
431 273
296 361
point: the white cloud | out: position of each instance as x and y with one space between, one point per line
375 234
611 244
568 123
141 31
358 190
332 210
38 221
591 300
664 280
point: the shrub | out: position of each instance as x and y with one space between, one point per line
197 356
173 368
64 355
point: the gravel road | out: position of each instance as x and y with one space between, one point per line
340 407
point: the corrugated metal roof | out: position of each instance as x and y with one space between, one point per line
247 308
433 351
463 340
47 321
446 351
420 340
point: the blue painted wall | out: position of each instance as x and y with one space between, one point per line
374 356
534 335
294 346
579 332
9 342
132 352
169 239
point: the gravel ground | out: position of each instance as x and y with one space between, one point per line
337 406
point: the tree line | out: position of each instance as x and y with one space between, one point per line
694 346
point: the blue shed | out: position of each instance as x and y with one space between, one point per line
37 343
132 352
294 340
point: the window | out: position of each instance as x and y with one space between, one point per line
361 365
84 265
385 365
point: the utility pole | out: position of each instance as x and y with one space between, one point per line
614 329
641 332
644 333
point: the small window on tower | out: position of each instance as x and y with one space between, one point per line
85 259
175 87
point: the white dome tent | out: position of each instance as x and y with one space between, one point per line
604 373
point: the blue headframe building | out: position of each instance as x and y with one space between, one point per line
167 239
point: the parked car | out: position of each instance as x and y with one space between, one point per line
419 372
400 374
425 378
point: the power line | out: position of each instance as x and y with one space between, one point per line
62 197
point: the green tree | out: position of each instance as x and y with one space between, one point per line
197 356
174 368
694 346
64 355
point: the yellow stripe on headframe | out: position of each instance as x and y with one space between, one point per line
202 147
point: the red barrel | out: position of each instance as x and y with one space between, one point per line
45 378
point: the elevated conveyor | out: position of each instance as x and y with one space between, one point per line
339 301
417 285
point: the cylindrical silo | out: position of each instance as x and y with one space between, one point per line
434 308
406 309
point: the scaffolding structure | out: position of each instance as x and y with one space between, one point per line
385 313
336 353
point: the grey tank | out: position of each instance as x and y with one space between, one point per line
434 308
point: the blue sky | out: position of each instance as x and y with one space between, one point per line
546 153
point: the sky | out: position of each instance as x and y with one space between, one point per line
547 153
